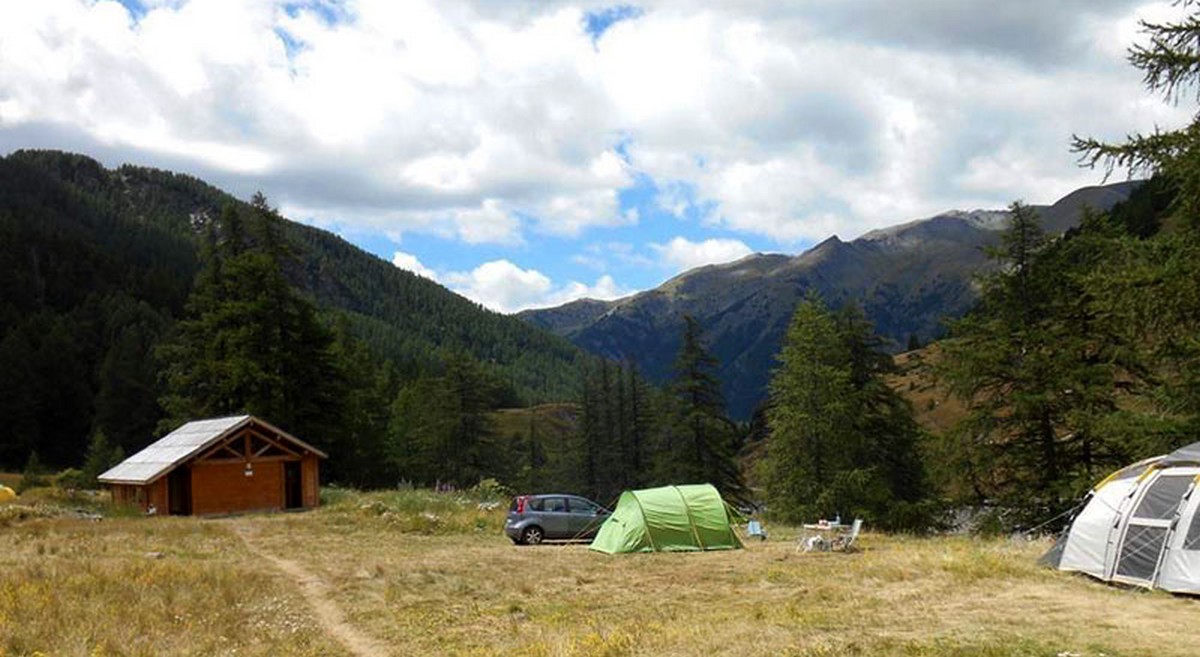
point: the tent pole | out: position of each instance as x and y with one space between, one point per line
691 521
649 534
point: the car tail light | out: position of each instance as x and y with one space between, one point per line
521 503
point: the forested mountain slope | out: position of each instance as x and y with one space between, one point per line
97 265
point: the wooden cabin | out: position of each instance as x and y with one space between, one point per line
223 465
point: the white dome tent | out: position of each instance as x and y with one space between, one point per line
1139 526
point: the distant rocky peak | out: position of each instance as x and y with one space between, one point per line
984 219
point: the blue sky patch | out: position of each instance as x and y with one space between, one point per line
331 12
135 8
626 252
595 23
290 43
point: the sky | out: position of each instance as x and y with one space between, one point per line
528 153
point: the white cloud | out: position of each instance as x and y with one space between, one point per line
604 289
682 254
410 262
490 222
824 119
482 121
506 287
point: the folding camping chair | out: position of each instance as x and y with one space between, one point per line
845 542
754 529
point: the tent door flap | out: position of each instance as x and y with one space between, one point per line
1148 527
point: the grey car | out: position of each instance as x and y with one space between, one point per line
535 518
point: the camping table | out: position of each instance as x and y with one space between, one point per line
820 536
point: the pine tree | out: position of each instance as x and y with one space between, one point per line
840 440
1170 63
362 441
1037 368
469 450
889 438
700 440
810 417
591 430
250 343
441 429
639 422
126 402
101 456
600 437
413 429
1157 291
34 474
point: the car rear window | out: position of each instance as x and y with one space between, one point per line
534 504
555 504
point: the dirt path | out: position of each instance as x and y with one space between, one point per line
319 597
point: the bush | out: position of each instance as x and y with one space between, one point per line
420 511
100 457
332 495
34 475
490 490
915 517
71 479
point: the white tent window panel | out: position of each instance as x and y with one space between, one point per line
1192 539
1146 529
1140 551
1161 500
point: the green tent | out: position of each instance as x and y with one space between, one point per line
671 519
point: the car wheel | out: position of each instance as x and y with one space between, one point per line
532 535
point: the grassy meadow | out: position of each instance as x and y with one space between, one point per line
415 573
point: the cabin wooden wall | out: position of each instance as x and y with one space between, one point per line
143 496
125 494
310 478
157 494
225 488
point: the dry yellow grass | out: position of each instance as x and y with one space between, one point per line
450 584
152 586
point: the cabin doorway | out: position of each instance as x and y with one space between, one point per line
179 492
293 497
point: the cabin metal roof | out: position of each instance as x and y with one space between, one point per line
173 449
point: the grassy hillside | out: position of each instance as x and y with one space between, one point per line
423 574
933 407
551 422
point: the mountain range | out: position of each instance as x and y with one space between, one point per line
907 279
93 256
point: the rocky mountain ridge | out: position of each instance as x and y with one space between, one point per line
907 279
